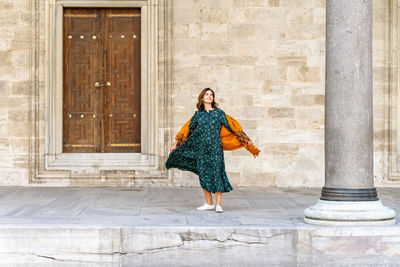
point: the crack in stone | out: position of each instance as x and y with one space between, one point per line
247 234
72 260
121 243
188 236
154 250
46 257
185 237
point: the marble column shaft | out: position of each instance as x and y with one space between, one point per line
348 100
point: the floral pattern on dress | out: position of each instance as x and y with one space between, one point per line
201 152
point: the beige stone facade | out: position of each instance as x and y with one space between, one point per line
263 58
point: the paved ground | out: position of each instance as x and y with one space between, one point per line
161 206
160 226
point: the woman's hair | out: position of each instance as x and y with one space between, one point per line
200 104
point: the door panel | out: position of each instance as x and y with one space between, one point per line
122 98
82 55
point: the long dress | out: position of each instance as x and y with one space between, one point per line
202 153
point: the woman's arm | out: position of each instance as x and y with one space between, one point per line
184 132
173 147
242 136
224 121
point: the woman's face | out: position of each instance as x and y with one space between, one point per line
208 97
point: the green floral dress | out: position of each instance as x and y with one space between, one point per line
201 153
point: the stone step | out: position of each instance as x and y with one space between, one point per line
198 246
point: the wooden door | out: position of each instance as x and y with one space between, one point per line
101 80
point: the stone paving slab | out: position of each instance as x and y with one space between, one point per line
160 206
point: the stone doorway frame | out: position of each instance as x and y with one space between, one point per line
55 159
47 162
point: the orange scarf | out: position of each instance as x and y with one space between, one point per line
230 141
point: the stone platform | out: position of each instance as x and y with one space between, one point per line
159 226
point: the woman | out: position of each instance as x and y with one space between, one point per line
199 147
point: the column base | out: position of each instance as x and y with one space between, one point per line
349 213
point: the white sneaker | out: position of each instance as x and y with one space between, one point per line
218 208
206 207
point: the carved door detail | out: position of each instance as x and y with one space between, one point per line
101 80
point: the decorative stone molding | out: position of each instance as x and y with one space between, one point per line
47 162
386 83
393 143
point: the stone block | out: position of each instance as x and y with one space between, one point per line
20 58
209 246
76 244
241 31
309 113
213 15
214 60
214 47
212 31
235 178
3 129
19 146
304 74
214 74
272 87
240 74
274 3
194 30
18 115
9 176
6 58
240 100
181 31
280 112
5 88
303 100
236 15
254 178
18 129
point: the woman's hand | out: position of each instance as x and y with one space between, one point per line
173 147
250 142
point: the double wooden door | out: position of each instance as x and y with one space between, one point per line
101 80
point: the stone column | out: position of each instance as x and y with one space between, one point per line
349 196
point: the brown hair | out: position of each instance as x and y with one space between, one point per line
200 104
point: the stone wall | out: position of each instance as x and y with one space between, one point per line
265 61
14 91
263 58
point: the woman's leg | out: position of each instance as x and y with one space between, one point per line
208 197
218 197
